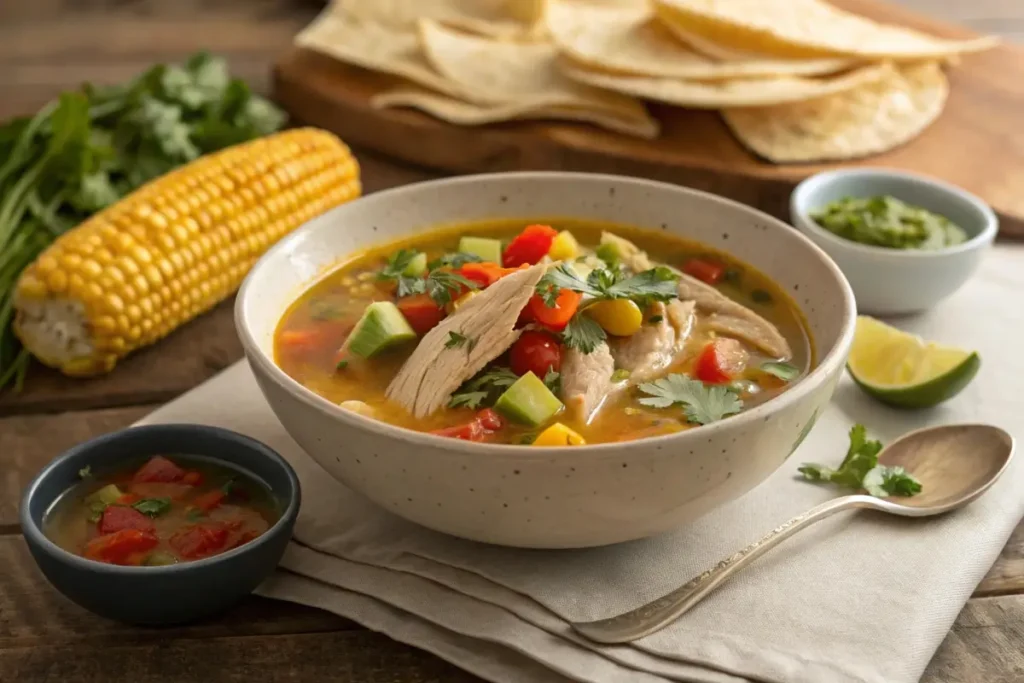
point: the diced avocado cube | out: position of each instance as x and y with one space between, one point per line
417 266
107 495
486 248
381 327
528 401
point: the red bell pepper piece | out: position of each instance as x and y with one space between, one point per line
486 423
159 469
705 271
421 312
118 517
529 246
121 547
720 361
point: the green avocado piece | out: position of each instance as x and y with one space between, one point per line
528 401
381 327
107 495
417 266
486 248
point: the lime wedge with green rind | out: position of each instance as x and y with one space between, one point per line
905 371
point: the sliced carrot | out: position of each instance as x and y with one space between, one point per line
487 273
555 317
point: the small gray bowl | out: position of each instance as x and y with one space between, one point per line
897 281
171 594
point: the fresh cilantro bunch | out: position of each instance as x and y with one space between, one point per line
603 284
701 403
95 145
440 283
860 470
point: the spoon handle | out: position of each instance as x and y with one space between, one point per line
657 614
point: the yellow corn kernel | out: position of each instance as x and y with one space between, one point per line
186 240
559 435
564 247
620 317
454 305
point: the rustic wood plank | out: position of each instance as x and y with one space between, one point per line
984 645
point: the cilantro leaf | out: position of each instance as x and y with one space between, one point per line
455 259
860 469
882 481
85 472
456 340
656 284
553 381
395 267
442 286
563 276
483 389
784 371
583 334
194 515
153 506
407 286
701 404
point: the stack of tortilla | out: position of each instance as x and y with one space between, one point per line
795 80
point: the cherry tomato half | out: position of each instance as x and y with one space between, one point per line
536 352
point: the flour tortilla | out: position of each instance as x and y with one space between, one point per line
496 18
375 46
506 72
628 40
805 29
748 92
873 118
468 114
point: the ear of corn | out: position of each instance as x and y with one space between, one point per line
175 248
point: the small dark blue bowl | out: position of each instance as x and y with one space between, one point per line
170 594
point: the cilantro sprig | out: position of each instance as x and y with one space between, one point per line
455 259
860 470
583 333
483 389
153 507
702 404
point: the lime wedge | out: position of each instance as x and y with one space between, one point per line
903 370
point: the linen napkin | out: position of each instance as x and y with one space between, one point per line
859 598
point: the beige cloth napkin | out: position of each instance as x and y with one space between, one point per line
860 598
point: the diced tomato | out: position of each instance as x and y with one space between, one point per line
705 271
159 468
200 540
529 246
555 317
209 500
192 478
422 313
128 499
720 361
119 517
486 423
121 547
525 317
536 352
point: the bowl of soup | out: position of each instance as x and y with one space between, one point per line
547 360
161 524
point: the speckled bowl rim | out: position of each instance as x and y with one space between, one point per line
799 206
34 534
835 356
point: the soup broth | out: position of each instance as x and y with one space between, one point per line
750 341
160 511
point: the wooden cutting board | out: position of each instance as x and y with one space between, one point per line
977 143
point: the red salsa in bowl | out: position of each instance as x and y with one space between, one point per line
161 511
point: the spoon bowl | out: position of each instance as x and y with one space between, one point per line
954 463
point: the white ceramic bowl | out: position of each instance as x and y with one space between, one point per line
897 281
549 497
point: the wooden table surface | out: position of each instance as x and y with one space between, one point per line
48 45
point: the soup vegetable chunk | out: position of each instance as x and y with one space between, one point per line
557 334
163 512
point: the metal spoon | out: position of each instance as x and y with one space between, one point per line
954 463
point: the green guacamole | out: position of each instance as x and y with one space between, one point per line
885 221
